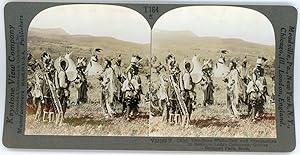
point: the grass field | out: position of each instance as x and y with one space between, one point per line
209 121
89 119
215 121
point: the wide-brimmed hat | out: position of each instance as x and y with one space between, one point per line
135 59
260 61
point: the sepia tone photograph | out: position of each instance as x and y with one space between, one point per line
213 73
201 71
88 67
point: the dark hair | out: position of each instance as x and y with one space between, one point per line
118 62
108 62
168 57
233 64
29 56
187 65
63 65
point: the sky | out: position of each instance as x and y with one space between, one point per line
97 20
126 24
219 21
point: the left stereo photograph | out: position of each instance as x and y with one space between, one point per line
87 68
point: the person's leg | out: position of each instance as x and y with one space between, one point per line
64 106
129 108
168 110
38 109
172 110
103 105
34 102
261 106
84 92
204 97
254 112
109 102
49 102
123 101
164 110
234 103
79 95
229 104
136 105
189 108
250 107
211 95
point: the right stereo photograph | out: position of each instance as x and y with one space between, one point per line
212 74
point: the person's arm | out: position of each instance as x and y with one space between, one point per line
55 79
62 80
123 89
234 79
187 82
249 87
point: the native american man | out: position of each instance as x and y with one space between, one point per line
81 81
259 77
62 84
132 88
187 88
234 89
109 88
174 75
207 86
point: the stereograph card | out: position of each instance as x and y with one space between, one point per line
142 76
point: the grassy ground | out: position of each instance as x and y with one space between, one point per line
215 120
209 121
88 119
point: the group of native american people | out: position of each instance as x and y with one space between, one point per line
175 95
49 84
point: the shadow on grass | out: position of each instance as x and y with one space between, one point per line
87 120
201 123
269 117
141 115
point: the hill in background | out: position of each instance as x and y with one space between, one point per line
182 44
56 41
186 44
